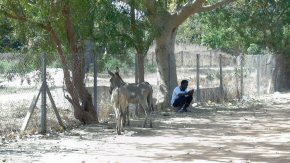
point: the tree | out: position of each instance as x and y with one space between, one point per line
142 36
66 24
166 17
271 21
122 27
249 27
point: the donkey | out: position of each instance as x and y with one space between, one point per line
124 93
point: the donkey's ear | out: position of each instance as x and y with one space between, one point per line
110 72
117 69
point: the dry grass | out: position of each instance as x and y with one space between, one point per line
14 109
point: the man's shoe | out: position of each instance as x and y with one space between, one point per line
180 110
176 109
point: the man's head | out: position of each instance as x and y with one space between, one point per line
183 85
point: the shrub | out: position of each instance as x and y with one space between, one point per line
5 67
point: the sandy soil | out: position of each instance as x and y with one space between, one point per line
257 131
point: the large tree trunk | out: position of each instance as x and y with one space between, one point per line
167 23
80 98
281 74
166 65
84 110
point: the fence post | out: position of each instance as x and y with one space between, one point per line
169 79
210 57
152 59
258 73
182 62
197 78
43 95
242 75
95 82
136 81
31 109
221 79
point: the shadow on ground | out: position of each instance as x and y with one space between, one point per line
258 134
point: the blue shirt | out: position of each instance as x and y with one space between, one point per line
175 93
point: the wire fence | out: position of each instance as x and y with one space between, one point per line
242 77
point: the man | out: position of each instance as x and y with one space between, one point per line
182 97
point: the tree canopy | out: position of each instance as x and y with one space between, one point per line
246 25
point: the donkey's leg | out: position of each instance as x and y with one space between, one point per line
128 116
146 110
150 104
125 118
122 122
119 119
118 123
150 110
150 119
149 115
123 110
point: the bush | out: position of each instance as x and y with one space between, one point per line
150 68
5 67
56 64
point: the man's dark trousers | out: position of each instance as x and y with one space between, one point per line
183 101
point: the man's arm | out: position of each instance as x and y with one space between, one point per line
190 92
182 94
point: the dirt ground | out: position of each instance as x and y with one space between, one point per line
253 131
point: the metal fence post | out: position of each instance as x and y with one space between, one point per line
169 79
221 79
43 95
210 57
242 75
182 61
197 78
95 82
258 73
136 81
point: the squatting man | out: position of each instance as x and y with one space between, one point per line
182 97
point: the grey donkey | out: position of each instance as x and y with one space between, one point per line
123 93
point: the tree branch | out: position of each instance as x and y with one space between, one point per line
215 6
151 7
23 19
196 7
70 29
186 11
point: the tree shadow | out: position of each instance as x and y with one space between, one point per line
203 135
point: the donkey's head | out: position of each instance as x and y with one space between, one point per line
115 80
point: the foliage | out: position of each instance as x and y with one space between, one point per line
120 28
248 27
5 67
211 76
8 41
56 64
189 32
150 68
253 49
